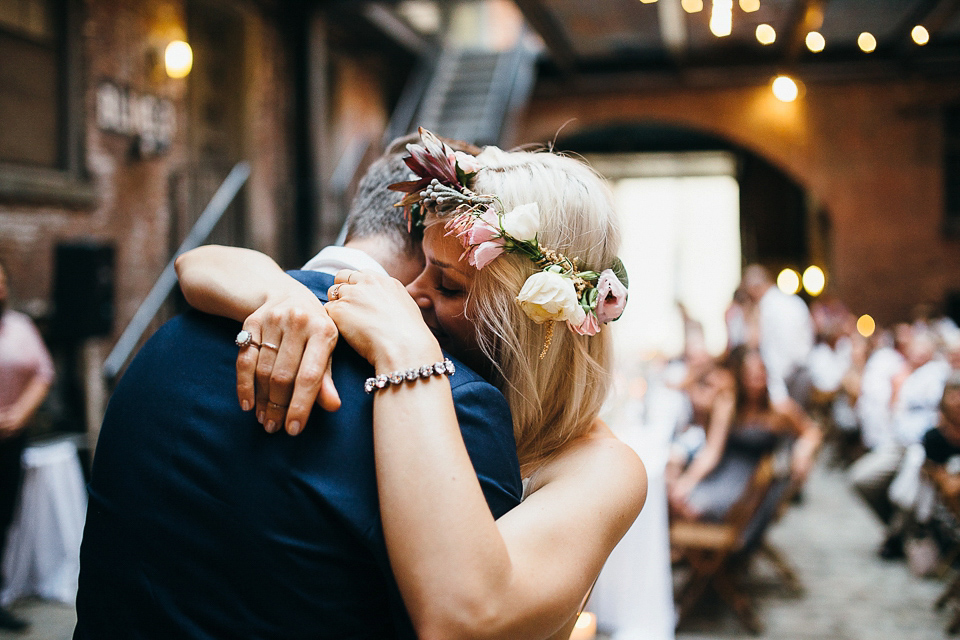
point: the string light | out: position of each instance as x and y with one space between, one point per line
815 42
749 6
920 35
648 1
814 280
692 6
786 90
766 34
178 59
721 18
788 281
866 325
867 42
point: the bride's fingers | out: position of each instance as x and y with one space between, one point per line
314 368
272 338
247 366
281 382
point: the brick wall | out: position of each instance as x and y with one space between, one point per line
131 209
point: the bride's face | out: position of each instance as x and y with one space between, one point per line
441 293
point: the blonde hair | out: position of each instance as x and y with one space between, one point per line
557 398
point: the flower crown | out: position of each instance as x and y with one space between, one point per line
560 291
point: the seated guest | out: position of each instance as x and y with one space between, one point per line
698 446
758 427
942 443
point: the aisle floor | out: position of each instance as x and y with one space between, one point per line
850 594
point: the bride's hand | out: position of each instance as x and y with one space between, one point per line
290 370
379 319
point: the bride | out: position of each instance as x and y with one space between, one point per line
521 275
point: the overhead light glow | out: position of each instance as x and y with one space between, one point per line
178 59
866 326
692 6
766 34
785 89
866 42
721 18
814 280
920 35
815 42
749 6
788 281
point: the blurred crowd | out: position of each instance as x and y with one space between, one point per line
795 375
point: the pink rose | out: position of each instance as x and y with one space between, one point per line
611 297
466 162
484 253
589 327
485 228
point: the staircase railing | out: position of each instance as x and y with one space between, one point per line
132 334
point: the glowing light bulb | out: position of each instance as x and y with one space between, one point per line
178 59
866 326
692 6
785 89
867 42
788 281
721 18
815 42
749 6
814 280
920 35
766 34
648 1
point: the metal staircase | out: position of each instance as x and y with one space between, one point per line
474 95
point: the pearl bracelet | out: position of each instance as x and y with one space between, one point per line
444 367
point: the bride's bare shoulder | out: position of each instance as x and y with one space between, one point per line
603 461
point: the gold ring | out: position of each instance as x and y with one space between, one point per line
335 291
270 345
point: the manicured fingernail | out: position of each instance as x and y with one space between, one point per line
261 416
293 428
271 426
245 405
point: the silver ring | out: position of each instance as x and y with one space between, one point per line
270 345
245 339
278 406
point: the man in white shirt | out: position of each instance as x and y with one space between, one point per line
786 335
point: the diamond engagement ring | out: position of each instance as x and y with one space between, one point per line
245 339
335 291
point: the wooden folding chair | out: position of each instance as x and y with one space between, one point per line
710 548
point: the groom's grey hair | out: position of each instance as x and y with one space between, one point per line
374 210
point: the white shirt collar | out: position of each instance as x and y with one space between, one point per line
333 258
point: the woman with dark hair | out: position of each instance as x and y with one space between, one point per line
757 429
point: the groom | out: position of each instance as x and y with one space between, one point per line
202 525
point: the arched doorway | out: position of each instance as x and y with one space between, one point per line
696 209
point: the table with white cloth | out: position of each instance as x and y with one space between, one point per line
633 597
42 557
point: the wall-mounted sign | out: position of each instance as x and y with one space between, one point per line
148 119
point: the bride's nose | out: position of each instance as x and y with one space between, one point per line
418 292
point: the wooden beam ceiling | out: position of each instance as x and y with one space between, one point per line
554 37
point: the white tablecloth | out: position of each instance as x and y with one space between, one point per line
633 597
42 557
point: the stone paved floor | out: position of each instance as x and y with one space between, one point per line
829 539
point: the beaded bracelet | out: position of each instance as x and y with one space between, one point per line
444 367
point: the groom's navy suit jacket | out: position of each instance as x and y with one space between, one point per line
201 525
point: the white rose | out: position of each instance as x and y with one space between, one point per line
547 296
523 222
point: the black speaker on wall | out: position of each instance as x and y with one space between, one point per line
83 291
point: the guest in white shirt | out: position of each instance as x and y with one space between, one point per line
786 335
